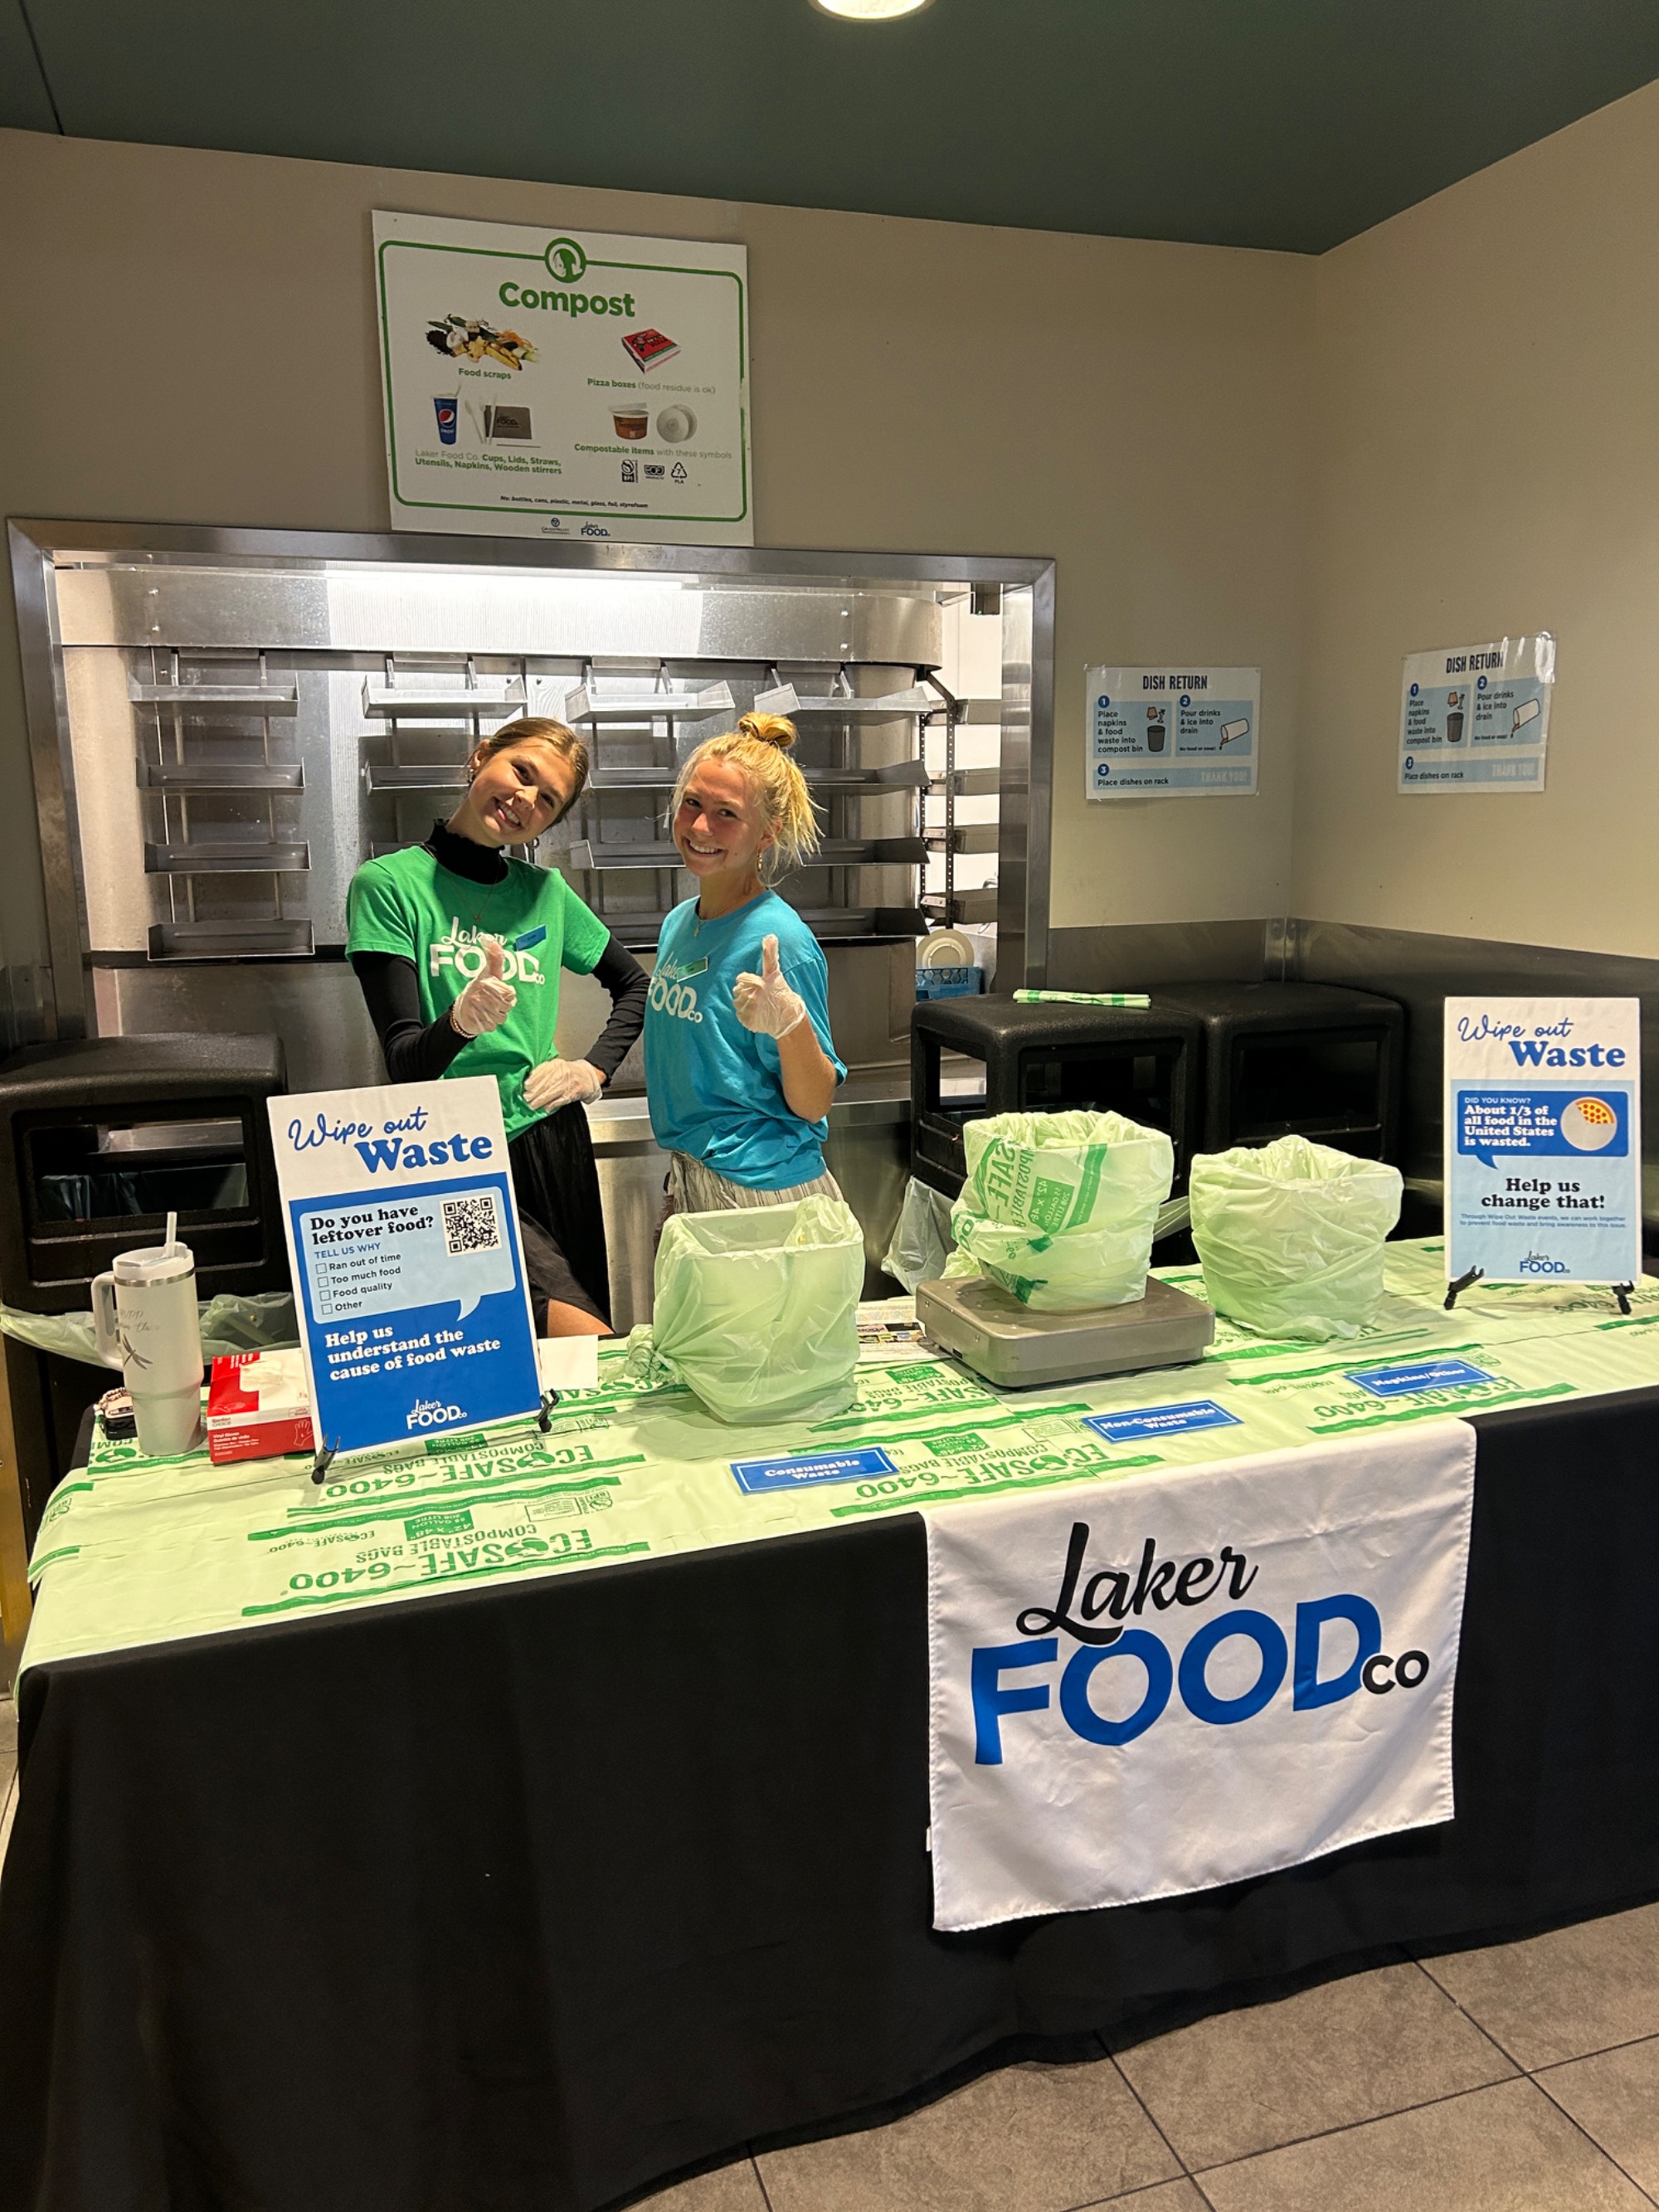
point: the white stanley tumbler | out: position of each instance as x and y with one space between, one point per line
145 1318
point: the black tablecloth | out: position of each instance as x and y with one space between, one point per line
532 1897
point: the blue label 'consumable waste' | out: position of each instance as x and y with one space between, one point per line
755 1475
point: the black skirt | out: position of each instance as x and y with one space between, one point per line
560 1223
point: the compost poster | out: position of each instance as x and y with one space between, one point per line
1544 1140
408 1278
1477 717
1172 732
563 383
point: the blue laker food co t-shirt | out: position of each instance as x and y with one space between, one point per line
714 1088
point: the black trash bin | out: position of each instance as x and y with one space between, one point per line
100 1140
1310 1060
973 1057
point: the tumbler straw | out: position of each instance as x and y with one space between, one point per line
171 1244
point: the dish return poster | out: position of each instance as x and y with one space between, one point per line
1543 1140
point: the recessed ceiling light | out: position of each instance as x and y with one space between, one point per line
871 11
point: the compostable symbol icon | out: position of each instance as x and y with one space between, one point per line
565 260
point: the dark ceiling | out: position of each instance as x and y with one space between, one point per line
1273 122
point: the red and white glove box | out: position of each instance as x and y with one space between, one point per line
256 1405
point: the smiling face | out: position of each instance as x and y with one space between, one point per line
515 794
719 827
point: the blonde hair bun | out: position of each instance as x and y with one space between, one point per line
767 730
760 747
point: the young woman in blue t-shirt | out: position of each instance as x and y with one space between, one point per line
739 1065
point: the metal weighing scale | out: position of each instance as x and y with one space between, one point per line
1017 1349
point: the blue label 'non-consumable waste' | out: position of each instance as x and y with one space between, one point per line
1418 1374
817 1466
1160 1420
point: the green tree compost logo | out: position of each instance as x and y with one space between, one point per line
565 260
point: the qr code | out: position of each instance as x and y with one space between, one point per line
470 1224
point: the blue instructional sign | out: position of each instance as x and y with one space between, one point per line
1172 732
403 1237
1477 717
1543 1163
1160 1421
793 1474
1411 1376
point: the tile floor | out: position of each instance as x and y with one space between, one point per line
1520 2078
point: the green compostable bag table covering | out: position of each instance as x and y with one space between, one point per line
1289 1235
1060 1208
134 1552
756 1310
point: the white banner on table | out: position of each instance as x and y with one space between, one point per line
1195 1676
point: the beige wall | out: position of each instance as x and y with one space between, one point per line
1440 431
188 338
1487 460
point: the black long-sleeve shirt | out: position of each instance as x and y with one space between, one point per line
417 1051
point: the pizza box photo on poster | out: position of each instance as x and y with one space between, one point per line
403 1237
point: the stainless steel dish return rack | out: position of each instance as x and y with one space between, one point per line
225 724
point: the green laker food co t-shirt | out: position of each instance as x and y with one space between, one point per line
406 903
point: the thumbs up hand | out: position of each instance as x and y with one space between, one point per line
765 1003
487 1000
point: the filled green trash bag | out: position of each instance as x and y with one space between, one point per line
1059 1209
1290 1235
756 1311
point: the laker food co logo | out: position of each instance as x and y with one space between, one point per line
670 992
429 1411
1095 1611
462 949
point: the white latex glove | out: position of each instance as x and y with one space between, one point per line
765 1002
557 1082
487 1001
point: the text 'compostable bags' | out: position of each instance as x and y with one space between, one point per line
1289 1235
756 1310
1060 1208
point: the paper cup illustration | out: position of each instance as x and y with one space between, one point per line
1528 711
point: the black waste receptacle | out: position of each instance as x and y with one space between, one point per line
973 1057
100 1140
1310 1060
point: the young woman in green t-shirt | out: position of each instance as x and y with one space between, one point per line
459 949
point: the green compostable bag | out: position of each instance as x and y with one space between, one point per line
756 1310
1060 1208
1291 1236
